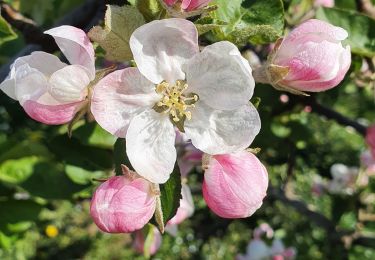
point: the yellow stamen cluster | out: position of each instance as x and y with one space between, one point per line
174 101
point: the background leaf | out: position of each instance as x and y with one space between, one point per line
361 28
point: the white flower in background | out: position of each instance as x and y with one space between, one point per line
204 94
343 179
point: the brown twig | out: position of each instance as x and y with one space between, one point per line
367 7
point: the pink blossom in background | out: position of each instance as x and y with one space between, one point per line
234 184
140 239
314 55
189 157
370 139
186 208
258 249
188 5
49 90
325 3
123 204
368 162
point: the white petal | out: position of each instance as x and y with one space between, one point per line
76 46
150 146
162 46
36 61
220 76
69 84
222 131
30 83
120 96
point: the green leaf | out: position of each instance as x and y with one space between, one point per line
92 134
151 9
17 171
81 176
361 28
17 211
120 156
206 24
49 181
6 32
71 151
257 21
120 23
170 194
13 149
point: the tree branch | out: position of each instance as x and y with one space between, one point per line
332 114
85 16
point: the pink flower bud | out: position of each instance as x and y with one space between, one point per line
187 5
140 239
325 3
370 139
311 58
123 204
234 184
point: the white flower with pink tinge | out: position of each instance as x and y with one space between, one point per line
204 94
49 90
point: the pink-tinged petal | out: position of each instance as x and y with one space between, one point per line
36 66
51 114
316 59
222 131
220 76
120 96
370 139
162 46
191 5
150 146
76 46
317 30
122 205
140 239
44 62
235 184
69 84
186 208
325 3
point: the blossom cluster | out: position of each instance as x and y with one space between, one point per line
178 96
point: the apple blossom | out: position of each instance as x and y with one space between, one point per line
187 5
311 58
234 184
123 204
49 90
368 162
204 94
140 241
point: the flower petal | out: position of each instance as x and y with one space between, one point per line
220 76
222 131
150 146
120 96
69 84
43 62
76 46
51 114
162 46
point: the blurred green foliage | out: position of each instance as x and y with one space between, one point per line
47 178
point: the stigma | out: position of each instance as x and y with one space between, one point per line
175 102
